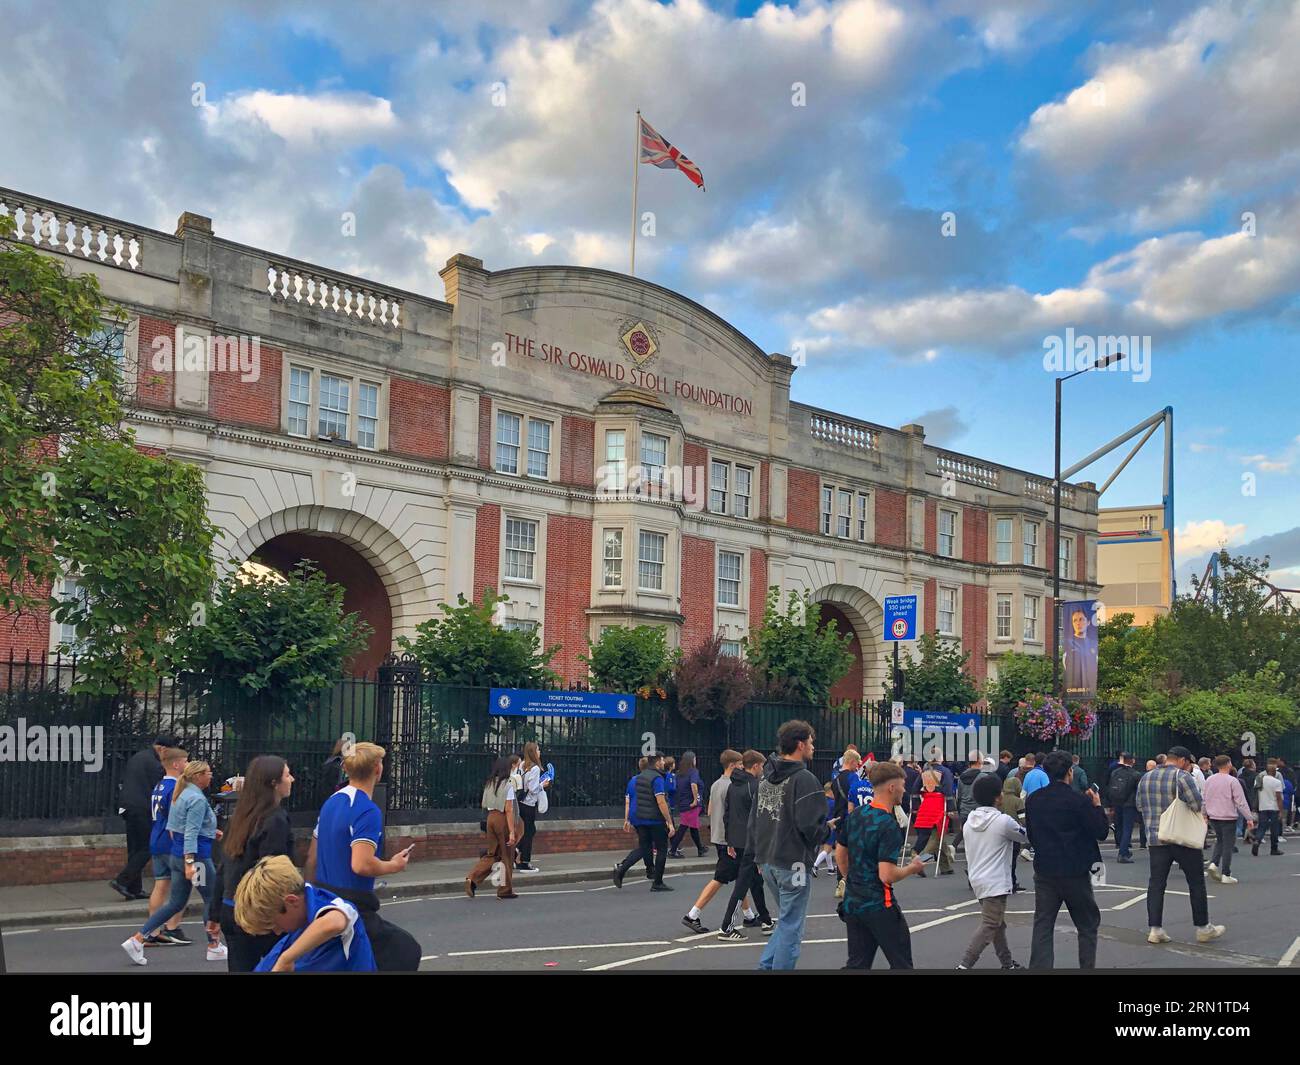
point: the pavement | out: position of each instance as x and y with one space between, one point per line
570 917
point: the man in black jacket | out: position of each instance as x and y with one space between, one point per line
1122 795
1064 828
143 770
739 802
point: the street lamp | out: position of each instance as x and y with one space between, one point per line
1056 523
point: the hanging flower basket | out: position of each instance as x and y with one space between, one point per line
1042 717
1083 719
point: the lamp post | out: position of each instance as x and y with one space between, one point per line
1056 523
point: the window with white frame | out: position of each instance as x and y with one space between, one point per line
325 399
72 592
864 503
650 560
728 578
335 406
948 533
744 491
539 448
1004 616
367 415
719 475
654 457
1031 543
1031 618
299 400
615 460
508 433
828 500
839 518
519 625
1066 554
613 558
521 549
844 514
1004 534
729 648
947 611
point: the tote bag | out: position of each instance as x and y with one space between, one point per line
1181 826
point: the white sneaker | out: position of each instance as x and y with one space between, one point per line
135 951
217 952
1227 880
1213 870
1158 935
1210 931
1026 854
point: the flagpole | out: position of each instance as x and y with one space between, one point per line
636 158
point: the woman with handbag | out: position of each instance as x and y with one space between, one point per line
502 831
532 802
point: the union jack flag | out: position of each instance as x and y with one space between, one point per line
658 152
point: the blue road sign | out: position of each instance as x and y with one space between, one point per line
900 617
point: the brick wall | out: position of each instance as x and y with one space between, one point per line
1048 621
235 401
803 500
578 451
419 418
485 432
932 526
154 388
975 629
487 549
757 586
891 518
27 633
568 592
975 534
697 591
931 622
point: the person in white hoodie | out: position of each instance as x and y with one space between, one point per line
990 835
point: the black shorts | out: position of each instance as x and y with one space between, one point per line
728 868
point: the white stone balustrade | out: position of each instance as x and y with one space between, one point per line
969 470
86 236
1037 488
336 295
846 434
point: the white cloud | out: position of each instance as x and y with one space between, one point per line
299 118
1198 537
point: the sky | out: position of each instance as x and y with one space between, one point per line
917 201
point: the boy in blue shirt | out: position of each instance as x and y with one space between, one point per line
321 933
160 846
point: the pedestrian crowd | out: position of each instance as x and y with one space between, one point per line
774 828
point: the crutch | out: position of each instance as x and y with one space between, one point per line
902 854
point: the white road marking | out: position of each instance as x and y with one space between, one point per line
1289 957
940 920
1130 902
427 957
962 905
633 961
540 950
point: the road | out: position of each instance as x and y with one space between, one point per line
593 926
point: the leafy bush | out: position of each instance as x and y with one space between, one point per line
708 684
632 659
1018 676
794 654
1220 717
937 678
466 646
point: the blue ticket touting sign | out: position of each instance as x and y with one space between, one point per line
520 702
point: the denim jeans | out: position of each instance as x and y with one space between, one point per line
180 892
791 899
1125 819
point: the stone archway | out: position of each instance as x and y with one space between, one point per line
865 618
383 573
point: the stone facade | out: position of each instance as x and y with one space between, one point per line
600 448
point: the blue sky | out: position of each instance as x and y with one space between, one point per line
1112 168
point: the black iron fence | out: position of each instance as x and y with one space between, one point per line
441 739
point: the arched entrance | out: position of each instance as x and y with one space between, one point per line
855 611
370 562
363 591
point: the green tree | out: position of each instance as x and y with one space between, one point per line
630 659
707 684
280 639
937 677
467 647
1018 675
1244 703
795 655
76 496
